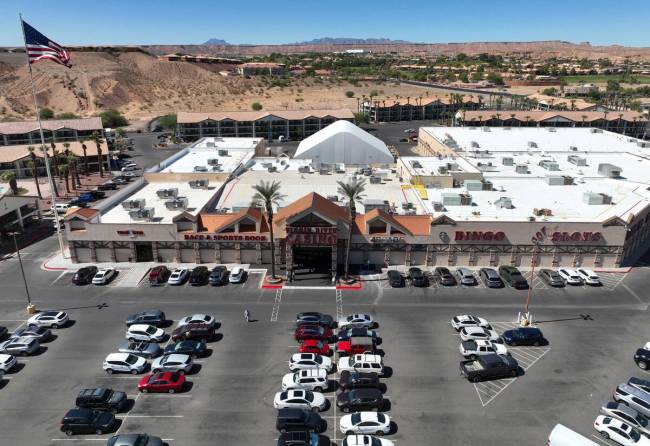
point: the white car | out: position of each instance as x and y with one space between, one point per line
357 320
590 277
468 320
50 319
124 362
300 399
196 319
570 276
365 440
173 363
375 423
7 362
103 276
619 432
362 362
479 333
143 332
178 276
237 275
313 379
472 349
304 361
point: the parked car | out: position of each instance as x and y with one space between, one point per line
479 334
237 275
355 345
589 277
417 277
149 317
3 331
7 362
159 275
173 363
218 276
156 382
61 208
77 202
627 415
50 319
489 367
473 349
195 332
359 332
620 432
523 336
102 398
140 348
551 277
570 276
361 440
97 194
125 363
313 379
104 276
41 334
199 276
120 180
513 277
303 361
192 348
490 278
314 346
317 332
358 380
395 279
134 440
84 276
87 421
20 346
299 438
362 363
357 320
633 397
465 277
641 384
301 399
642 357
315 318
198 318
86 197
468 320
293 419
107 186
365 423
144 332
444 276
360 399
178 276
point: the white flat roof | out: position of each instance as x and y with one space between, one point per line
429 165
239 150
196 199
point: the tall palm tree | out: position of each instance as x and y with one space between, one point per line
354 192
84 148
55 159
65 172
268 194
72 163
97 139
34 168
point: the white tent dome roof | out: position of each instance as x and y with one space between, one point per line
344 142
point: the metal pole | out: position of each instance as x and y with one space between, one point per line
533 261
22 271
43 146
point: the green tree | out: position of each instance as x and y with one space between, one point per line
65 173
121 132
549 91
84 148
46 113
10 177
268 194
361 118
112 118
256 106
67 115
495 78
97 139
33 166
354 192
349 94
168 121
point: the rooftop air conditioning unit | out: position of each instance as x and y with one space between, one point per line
304 169
272 169
178 203
438 207
552 129
200 169
596 130
213 162
474 144
222 152
573 148
532 144
199 184
407 205
643 144
333 198
142 214
375 180
507 161
210 144
167 193
134 204
486 129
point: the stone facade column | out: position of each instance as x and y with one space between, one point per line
133 256
177 248
429 256
288 255
197 253
217 252
335 257
73 252
387 256
407 257
238 253
154 250
258 253
93 252
113 253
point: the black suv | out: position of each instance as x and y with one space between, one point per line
356 400
417 277
313 317
524 336
513 277
84 276
298 420
87 421
218 275
149 317
299 438
642 358
199 276
194 332
356 380
444 276
102 399
395 278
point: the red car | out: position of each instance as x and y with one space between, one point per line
314 346
316 332
355 345
169 382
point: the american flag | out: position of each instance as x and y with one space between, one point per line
40 47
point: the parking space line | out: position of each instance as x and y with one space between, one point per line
123 417
339 304
600 439
276 305
96 439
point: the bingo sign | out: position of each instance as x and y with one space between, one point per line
311 235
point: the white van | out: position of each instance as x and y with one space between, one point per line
61 208
563 436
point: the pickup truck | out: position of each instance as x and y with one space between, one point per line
491 366
474 349
355 345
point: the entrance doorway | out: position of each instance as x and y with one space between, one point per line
314 259
143 252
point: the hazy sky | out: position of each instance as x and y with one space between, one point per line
76 22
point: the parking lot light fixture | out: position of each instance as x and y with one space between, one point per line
31 309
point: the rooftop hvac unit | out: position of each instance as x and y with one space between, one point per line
324 171
340 168
213 162
521 168
503 203
474 144
596 130
382 205
333 198
643 144
568 180
167 193
141 214
199 184
210 144
507 161
134 204
200 169
416 164
554 180
542 212
178 203
451 199
593 198
375 180
473 185
407 205
442 170
304 169
609 170
532 144
438 206
486 129
218 168
487 185
222 152
573 148
577 160
272 169
552 129
549 165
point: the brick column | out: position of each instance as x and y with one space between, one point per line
113 253
197 253
258 253
288 255
93 252
429 256
154 250
133 255
73 252
335 256
387 256
177 247
217 253
238 253
407 257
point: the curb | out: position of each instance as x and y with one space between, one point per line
44 266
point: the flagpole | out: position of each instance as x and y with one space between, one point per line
44 147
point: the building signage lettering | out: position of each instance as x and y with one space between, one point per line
311 230
392 239
472 236
576 237
130 232
311 239
554 237
226 238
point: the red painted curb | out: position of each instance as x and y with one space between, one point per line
357 286
50 268
272 287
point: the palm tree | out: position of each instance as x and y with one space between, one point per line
268 194
354 192
85 148
55 159
34 168
65 172
10 177
97 139
72 162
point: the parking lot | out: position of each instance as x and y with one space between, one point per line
592 333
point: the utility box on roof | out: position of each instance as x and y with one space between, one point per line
473 185
609 170
596 198
577 160
554 180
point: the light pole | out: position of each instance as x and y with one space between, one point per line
533 262
31 309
